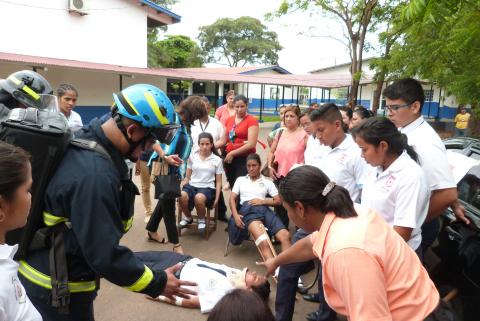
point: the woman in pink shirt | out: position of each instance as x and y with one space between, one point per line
369 272
226 111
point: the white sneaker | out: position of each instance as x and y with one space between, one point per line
185 221
201 224
300 283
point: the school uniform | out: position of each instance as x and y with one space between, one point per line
314 151
400 194
202 179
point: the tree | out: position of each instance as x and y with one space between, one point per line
239 41
175 52
441 43
356 16
153 53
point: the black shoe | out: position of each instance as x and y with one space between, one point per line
312 316
302 291
311 297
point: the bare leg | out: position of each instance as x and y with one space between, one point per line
284 238
184 205
200 201
256 231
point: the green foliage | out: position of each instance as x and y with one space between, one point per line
440 42
239 41
175 52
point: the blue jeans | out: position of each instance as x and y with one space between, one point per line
287 288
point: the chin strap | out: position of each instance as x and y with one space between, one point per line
118 120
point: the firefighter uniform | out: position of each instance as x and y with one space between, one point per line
93 196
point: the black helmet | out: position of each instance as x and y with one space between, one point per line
26 86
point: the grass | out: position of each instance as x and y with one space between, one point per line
270 118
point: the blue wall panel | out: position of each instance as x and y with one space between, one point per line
89 112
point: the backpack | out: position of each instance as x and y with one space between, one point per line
45 135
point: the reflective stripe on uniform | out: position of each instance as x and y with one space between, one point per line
51 220
127 225
155 108
45 281
142 282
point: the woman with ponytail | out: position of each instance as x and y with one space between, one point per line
397 190
369 272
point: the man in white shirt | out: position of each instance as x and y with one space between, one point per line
404 102
213 280
314 150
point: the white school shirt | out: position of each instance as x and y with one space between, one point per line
431 154
204 171
74 121
14 302
345 166
314 151
212 126
400 194
249 190
211 285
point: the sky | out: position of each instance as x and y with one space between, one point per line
305 38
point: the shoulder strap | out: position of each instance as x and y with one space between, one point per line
90 145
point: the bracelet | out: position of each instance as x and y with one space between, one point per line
178 301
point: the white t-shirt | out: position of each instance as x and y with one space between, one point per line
211 284
314 151
74 121
345 166
212 126
400 194
204 171
431 153
249 190
14 302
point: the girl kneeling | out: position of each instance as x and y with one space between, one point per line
255 209
202 183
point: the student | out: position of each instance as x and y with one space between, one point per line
213 281
203 182
255 208
397 190
347 114
369 271
343 163
15 201
404 102
359 115
67 100
241 305
314 149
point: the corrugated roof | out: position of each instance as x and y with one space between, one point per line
192 74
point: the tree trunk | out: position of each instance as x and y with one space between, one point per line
378 92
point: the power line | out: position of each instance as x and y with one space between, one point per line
57 9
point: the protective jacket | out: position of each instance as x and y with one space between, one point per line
93 197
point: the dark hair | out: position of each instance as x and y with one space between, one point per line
374 130
63 88
255 157
241 305
13 166
362 112
328 112
191 109
242 98
230 93
205 99
347 110
408 90
306 183
205 135
263 290
306 113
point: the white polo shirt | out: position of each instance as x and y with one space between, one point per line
249 190
431 153
400 194
212 126
314 151
14 302
74 121
204 170
345 166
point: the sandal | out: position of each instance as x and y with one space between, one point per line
177 248
185 221
152 239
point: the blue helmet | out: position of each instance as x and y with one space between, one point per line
151 108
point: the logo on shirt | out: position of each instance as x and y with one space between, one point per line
20 294
390 181
342 158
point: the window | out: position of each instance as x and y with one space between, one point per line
199 88
274 93
428 94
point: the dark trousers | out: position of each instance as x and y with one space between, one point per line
235 169
443 312
280 210
222 208
429 234
79 311
287 288
165 209
160 260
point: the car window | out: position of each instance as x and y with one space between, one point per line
469 187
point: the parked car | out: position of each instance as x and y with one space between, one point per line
458 246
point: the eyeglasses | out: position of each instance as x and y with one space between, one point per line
396 107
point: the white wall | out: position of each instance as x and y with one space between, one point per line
114 31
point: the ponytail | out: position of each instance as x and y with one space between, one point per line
409 149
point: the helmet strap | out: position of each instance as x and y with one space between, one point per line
118 120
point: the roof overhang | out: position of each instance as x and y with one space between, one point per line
157 15
198 74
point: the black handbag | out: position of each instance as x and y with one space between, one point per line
167 185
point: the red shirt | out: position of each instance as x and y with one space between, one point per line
241 133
